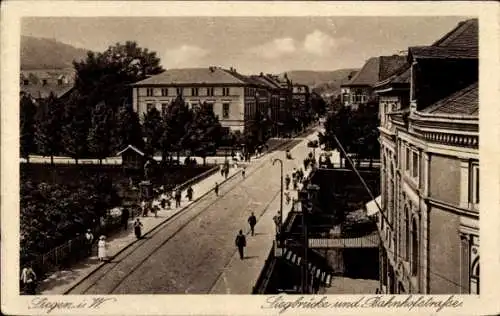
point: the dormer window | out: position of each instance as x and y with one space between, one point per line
26 82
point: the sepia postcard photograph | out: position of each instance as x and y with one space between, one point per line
309 158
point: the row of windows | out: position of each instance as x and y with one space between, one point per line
225 108
194 91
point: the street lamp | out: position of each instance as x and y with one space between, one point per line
281 191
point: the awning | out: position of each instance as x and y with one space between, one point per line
372 208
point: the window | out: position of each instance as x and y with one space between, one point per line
210 92
474 196
225 110
149 92
474 277
414 248
407 233
225 92
149 106
164 92
415 165
164 108
407 159
59 82
26 82
179 91
194 92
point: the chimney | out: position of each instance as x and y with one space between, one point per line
261 74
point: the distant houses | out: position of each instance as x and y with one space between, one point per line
40 83
359 89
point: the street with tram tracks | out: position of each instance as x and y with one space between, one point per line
187 253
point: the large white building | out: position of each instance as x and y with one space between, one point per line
234 97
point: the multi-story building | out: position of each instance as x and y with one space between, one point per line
235 98
359 89
273 99
285 100
300 94
430 168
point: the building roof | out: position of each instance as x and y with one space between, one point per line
130 147
422 52
376 69
41 92
461 42
401 76
264 81
462 102
208 75
465 34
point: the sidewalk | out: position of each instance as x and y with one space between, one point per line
61 281
239 276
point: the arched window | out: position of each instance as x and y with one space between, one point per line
414 248
474 277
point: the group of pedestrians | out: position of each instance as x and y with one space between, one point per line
297 177
240 240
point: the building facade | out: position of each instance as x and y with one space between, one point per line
430 169
359 89
235 100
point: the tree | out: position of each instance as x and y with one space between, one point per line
154 128
27 112
177 120
99 137
128 129
318 104
76 128
106 76
205 132
48 127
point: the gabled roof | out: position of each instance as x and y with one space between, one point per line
263 81
462 102
208 75
376 69
133 148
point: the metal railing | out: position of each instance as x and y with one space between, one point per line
265 274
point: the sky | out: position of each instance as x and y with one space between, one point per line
250 44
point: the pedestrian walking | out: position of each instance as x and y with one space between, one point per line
216 189
252 220
28 279
287 181
163 203
222 170
138 228
189 193
295 183
243 171
124 218
241 243
178 197
144 205
89 240
287 197
306 163
102 248
226 172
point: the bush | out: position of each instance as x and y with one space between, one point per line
51 214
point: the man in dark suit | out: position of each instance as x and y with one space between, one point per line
241 243
252 220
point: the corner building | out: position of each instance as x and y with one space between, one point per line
429 136
235 99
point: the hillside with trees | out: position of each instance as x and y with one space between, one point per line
45 53
320 81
